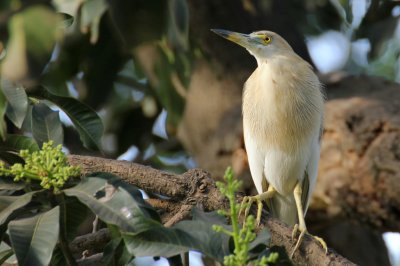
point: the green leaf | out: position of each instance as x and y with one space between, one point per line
10 204
160 241
178 23
40 26
33 239
116 254
19 142
46 124
166 242
17 103
27 124
15 64
9 184
110 250
207 241
263 238
85 119
139 21
58 259
74 214
3 108
10 157
66 20
170 93
5 254
134 193
32 38
123 209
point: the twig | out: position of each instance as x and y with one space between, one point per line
182 214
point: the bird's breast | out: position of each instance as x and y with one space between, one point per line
282 107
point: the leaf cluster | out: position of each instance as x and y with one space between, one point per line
48 165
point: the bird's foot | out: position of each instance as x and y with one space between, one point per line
322 242
248 201
303 231
246 204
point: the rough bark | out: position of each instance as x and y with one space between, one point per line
192 184
310 251
92 243
197 188
359 174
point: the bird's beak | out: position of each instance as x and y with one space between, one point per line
239 38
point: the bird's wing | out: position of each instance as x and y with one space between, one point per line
256 162
310 175
305 191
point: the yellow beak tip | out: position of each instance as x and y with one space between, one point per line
229 35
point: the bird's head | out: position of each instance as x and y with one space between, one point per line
261 44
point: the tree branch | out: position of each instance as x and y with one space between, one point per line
196 187
94 242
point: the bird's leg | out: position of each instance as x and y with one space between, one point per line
248 201
302 224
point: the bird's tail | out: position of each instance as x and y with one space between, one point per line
284 208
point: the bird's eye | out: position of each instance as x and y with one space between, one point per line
267 39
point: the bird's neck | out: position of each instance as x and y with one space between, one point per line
261 61
277 58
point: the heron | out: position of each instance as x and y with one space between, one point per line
283 112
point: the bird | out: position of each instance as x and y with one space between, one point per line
283 113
